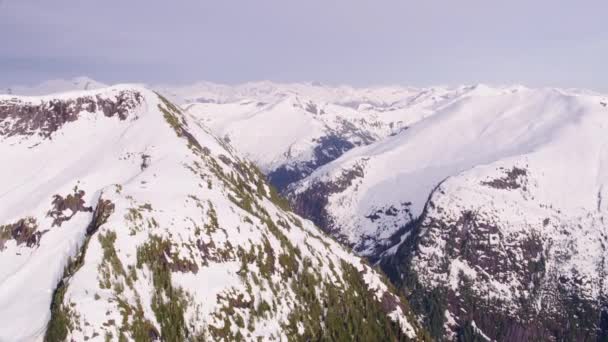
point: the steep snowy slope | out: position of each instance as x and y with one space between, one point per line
123 219
494 211
386 185
289 130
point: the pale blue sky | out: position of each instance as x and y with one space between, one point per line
533 42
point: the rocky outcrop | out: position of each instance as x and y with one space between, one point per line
22 117
472 271
513 179
312 202
72 202
23 232
327 149
102 212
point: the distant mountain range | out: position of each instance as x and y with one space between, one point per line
484 205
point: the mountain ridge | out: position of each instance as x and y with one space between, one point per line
484 205
144 225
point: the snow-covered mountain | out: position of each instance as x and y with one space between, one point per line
484 204
122 218
54 86
290 130
373 191
490 213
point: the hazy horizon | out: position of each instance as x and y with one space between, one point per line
176 85
407 43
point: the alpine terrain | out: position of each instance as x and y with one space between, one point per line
485 205
123 218
210 176
290 130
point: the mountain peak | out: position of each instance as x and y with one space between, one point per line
136 222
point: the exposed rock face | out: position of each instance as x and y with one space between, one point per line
102 212
22 117
312 203
478 270
24 231
328 148
72 202
315 200
512 179
27 231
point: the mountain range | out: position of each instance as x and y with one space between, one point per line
483 205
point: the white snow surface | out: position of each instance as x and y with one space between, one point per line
172 198
280 124
558 136
408 142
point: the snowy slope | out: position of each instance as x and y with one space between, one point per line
496 201
485 205
289 130
130 220
396 176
